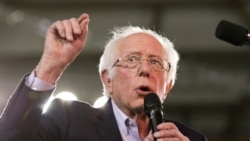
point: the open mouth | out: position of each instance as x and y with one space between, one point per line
144 89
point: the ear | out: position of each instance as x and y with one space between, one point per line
106 81
169 87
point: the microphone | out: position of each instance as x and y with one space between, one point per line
153 109
232 33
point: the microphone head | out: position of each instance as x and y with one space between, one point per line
232 33
151 101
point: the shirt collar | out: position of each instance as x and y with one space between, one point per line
123 121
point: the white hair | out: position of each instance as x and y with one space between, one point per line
109 55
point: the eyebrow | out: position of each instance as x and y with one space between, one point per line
139 53
133 53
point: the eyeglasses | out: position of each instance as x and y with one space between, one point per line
131 61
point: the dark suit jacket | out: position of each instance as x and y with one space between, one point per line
22 120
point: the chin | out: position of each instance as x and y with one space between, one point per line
139 104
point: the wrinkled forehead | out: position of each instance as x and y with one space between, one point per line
145 44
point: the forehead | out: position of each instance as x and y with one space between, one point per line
141 42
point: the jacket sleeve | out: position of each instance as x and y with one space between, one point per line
22 114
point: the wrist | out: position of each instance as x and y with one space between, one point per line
49 72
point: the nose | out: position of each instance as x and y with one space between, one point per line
144 68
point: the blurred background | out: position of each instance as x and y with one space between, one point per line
212 91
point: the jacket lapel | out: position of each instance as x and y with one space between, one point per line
106 125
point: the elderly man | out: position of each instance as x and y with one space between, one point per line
135 62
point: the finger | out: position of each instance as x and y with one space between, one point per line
75 26
166 133
149 137
84 29
82 17
68 30
170 133
169 130
170 139
58 29
167 125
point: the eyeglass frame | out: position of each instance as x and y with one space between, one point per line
140 61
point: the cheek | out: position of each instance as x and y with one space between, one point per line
122 80
161 83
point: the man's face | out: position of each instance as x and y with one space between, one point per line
130 85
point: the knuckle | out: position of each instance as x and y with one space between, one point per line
73 19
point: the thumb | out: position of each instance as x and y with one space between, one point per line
149 137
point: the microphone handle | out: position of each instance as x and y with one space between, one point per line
156 117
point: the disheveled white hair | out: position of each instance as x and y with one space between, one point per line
109 55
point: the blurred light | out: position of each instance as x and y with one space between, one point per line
43 25
47 104
62 95
100 101
66 96
15 17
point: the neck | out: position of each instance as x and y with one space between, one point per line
143 126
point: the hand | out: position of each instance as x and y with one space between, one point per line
64 41
167 132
